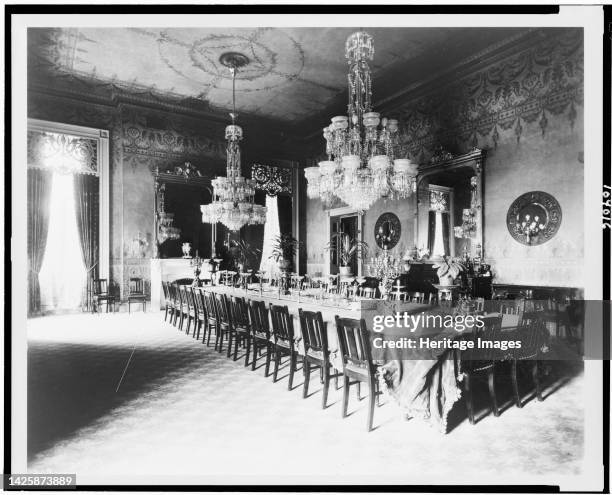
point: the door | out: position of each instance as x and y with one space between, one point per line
346 224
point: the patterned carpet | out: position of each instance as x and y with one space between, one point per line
180 408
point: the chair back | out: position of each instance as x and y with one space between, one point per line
210 305
533 335
282 323
490 332
258 314
240 312
223 309
100 286
314 332
165 291
368 292
174 294
196 295
136 286
354 342
512 312
416 297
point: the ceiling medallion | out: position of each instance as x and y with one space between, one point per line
534 218
362 166
233 201
234 60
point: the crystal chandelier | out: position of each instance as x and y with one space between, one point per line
233 201
361 166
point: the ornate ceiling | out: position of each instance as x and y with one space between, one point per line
294 74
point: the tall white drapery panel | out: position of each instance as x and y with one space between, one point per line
62 275
271 231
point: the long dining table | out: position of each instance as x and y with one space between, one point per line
424 382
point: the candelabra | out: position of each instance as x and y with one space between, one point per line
386 268
196 264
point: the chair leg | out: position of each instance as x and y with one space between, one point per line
210 327
336 379
325 368
372 403
517 395
268 358
469 402
248 350
292 361
166 314
306 372
492 393
536 380
358 390
277 357
377 393
254 358
232 338
188 325
345 396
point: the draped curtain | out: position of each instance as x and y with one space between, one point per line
446 232
86 196
271 231
39 195
431 237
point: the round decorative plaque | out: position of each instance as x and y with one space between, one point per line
387 231
534 218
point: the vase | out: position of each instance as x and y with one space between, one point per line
186 248
345 271
284 265
446 280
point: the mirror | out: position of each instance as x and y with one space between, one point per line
387 231
177 205
449 205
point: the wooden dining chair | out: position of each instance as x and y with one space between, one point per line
416 297
533 336
212 322
512 312
367 292
241 326
167 300
224 323
136 293
432 299
192 314
284 340
260 332
316 350
101 294
356 354
477 362
198 311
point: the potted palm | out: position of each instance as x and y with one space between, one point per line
348 249
243 253
448 269
284 248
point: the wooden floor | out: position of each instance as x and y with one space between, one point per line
181 409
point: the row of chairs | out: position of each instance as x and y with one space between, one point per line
252 325
102 295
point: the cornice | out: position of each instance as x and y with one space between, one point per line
436 82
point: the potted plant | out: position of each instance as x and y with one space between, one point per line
243 253
448 269
349 249
284 248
